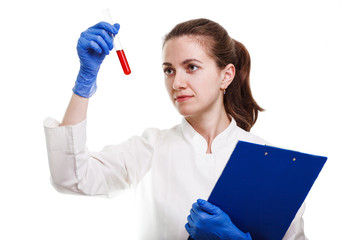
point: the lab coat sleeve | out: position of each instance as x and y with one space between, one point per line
74 168
296 229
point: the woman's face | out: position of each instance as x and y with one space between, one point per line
192 78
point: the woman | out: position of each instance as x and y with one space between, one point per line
207 78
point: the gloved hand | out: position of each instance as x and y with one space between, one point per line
207 221
93 45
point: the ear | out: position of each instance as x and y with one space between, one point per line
228 74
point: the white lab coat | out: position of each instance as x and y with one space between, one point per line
169 169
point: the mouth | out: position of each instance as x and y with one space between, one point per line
183 98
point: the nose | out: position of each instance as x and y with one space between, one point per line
179 82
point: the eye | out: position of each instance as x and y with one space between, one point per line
168 71
193 67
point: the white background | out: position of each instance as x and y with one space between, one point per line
305 73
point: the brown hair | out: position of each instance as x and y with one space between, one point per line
238 100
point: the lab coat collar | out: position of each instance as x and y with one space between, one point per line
221 140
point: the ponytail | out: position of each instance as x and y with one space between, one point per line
238 100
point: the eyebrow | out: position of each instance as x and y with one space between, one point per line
183 62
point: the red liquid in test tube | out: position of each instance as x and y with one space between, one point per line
123 61
119 50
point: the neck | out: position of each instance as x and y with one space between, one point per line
209 125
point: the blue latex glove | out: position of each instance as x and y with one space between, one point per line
207 221
93 45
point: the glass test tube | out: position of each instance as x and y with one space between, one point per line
119 50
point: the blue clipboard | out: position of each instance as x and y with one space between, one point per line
262 188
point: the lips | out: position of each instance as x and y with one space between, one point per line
182 98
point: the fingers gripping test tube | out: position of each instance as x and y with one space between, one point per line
119 50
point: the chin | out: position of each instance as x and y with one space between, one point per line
186 112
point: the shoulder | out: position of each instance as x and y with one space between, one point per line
250 137
155 134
